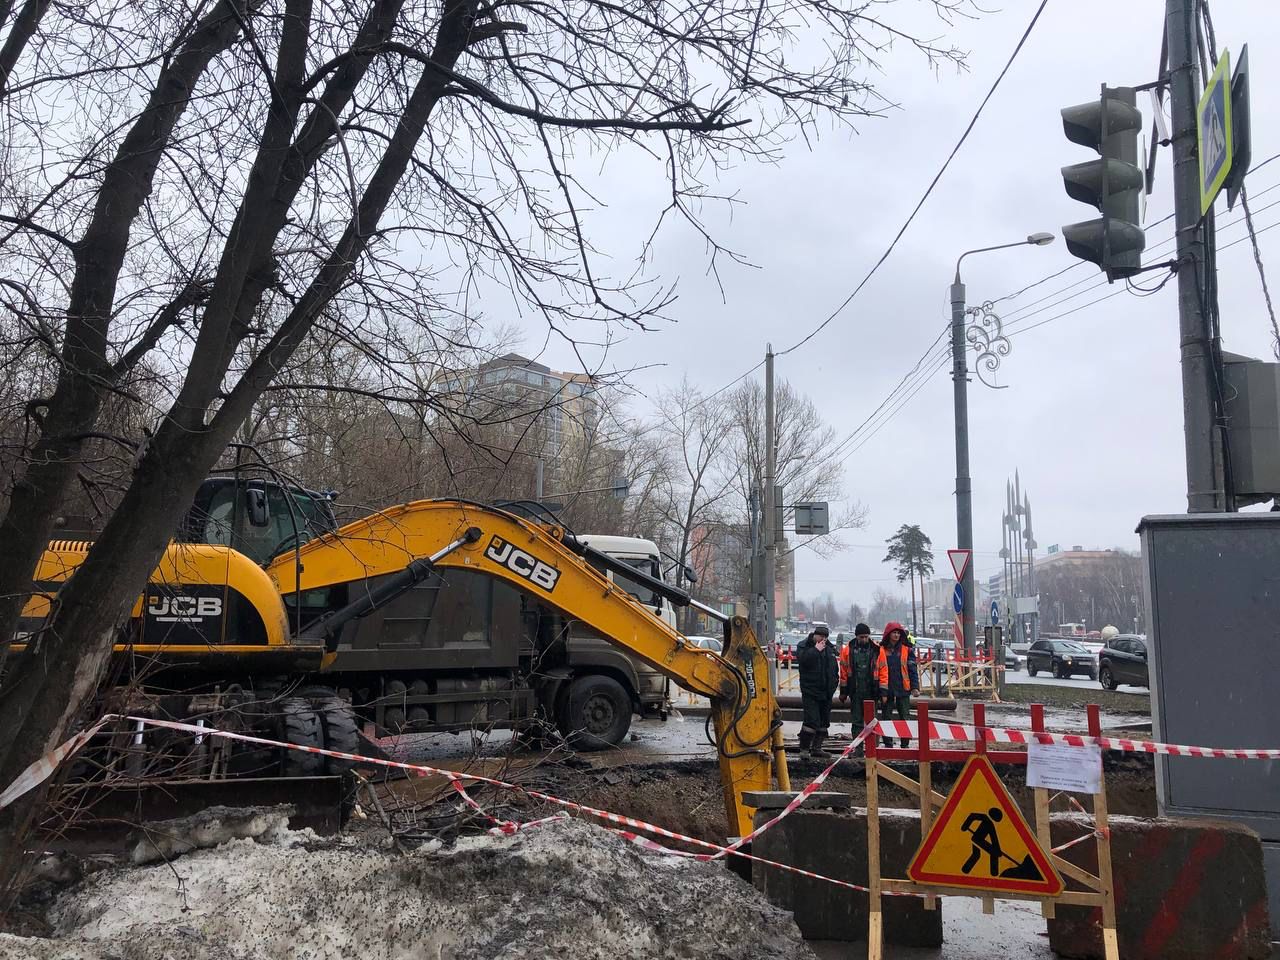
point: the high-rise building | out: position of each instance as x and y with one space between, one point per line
523 408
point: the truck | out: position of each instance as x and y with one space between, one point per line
451 612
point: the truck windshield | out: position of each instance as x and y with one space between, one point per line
637 590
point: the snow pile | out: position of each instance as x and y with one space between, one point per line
567 889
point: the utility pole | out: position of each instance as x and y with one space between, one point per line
964 494
757 563
1206 486
771 531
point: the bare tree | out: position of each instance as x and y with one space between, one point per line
205 187
806 468
696 432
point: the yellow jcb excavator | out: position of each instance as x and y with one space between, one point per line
292 627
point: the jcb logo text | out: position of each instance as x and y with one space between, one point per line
524 564
181 607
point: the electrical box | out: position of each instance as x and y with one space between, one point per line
1252 406
1212 583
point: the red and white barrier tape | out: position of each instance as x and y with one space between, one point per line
818 781
909 730
43 768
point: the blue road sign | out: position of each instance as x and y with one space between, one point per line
995 613
957 599
1213 133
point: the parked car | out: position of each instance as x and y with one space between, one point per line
1124 660
1013 661
1062 658
707 643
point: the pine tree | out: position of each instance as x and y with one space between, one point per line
911 553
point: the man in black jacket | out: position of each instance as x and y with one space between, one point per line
819 677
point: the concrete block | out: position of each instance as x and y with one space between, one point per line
1271 860
834 844
778 799
1185 890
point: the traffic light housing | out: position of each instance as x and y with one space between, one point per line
1113 183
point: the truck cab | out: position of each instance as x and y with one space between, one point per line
588 651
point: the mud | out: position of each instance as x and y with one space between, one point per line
685 796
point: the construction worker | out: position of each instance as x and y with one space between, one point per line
897 676
819 676
860 679
843 658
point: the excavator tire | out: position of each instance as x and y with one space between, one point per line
301 725
598 713
341 732
339 725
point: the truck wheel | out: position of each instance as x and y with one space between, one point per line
598 714
301 726
419 717
393 718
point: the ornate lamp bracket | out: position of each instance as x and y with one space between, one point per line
985 336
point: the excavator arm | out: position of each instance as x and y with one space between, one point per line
401 545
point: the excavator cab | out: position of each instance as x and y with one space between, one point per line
257 516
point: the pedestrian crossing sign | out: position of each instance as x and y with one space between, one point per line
981 841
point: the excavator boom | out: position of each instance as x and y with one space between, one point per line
386 551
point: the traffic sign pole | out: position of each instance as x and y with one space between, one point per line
1206 486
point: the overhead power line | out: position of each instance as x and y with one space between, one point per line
928 190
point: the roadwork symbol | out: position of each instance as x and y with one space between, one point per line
981 841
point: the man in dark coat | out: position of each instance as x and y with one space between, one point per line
819 677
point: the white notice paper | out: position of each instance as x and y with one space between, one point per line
1057 766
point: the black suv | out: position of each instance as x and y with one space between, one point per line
1123 660
1062 658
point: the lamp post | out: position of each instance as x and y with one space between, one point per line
960 378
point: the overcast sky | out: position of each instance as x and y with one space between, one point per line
1091 416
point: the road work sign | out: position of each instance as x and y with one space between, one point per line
981 841
1213 133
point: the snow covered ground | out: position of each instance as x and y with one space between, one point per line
564 889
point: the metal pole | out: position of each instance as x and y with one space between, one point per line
1205 483
770 532
964 501
537 481
757 566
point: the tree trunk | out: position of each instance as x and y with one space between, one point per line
60 673
912 578
72 411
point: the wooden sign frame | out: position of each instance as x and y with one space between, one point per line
1089 890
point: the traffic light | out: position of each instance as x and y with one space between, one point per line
1113 183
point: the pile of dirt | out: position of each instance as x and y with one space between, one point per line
562 889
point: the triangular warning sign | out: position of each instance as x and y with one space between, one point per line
959 561
981 841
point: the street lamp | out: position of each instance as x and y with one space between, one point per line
960 378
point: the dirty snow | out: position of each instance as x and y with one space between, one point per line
567 889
